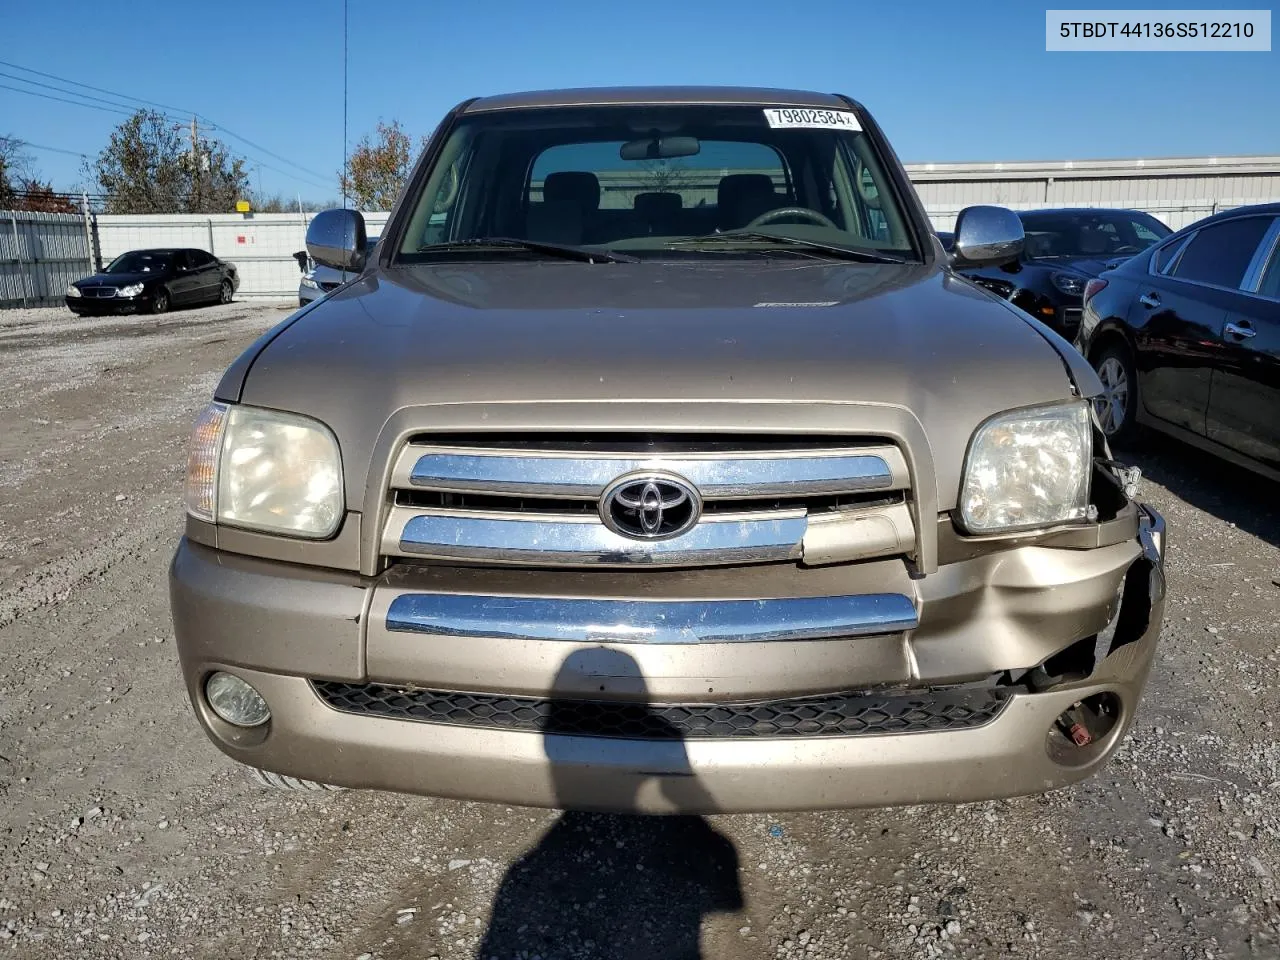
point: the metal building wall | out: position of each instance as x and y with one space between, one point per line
1177 190
40 254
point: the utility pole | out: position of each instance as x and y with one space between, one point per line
195 165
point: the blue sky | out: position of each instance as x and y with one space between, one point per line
947 81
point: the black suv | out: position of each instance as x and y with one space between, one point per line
1064 250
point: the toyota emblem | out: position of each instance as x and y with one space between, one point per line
651 506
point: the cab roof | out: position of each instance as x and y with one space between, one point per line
610 96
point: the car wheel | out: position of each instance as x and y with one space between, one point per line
1117 406
225 292
160 302
279 781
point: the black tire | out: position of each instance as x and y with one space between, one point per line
225 292
279 781
160 302
1117 408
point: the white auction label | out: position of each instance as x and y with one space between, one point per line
806 117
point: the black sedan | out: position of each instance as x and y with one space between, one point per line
1065 249
153 281
1187 339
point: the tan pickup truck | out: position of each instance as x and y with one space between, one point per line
658 460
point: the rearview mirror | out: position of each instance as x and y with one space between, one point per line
986 237
660 148
336 238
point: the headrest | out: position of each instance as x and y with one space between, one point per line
575 187
736 187
1094 241
653 205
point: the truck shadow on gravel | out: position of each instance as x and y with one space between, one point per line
608 886
1230 493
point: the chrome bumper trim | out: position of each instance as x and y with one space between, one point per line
716 477
651 621
573 539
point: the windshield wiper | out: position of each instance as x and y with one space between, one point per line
835 249
566 250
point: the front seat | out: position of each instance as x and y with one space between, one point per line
570 199
658 213
741 197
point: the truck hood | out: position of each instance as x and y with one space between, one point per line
802 333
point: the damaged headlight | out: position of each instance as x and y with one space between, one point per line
265 470
1028 468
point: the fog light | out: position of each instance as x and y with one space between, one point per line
236 701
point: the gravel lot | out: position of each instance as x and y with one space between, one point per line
124 833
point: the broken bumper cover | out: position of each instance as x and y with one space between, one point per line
298 639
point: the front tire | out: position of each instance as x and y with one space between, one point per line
160 302
278 781
1117 407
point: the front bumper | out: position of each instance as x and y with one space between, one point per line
280 627
107 306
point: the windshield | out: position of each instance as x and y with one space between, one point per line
140 261
654 180
1088 234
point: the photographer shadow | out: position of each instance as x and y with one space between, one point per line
614 886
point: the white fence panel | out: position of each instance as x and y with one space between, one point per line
261 245
40 253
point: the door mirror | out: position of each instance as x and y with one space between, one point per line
986 237
336 238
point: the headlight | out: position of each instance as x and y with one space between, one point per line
130 291
265 470
310 283
1069 283
74 291
1028 468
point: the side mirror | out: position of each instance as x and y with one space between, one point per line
336 238
986 237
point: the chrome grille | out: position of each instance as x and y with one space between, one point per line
99 293
521 501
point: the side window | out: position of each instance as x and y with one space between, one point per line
181 261
1165 255
199 258
1270 285
1220 254
1144 233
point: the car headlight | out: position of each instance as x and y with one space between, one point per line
1028 468
74 291
265 470
130 291
1069 283
310 283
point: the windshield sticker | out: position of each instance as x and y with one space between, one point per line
819 119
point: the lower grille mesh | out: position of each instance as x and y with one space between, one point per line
830 715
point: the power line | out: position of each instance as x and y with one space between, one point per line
235 136
87 86
40 146
48 86
77 103
184 113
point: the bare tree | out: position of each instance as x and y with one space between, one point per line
15 167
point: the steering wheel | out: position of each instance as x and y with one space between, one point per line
1127 248
769 216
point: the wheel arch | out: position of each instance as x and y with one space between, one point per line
1107 333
